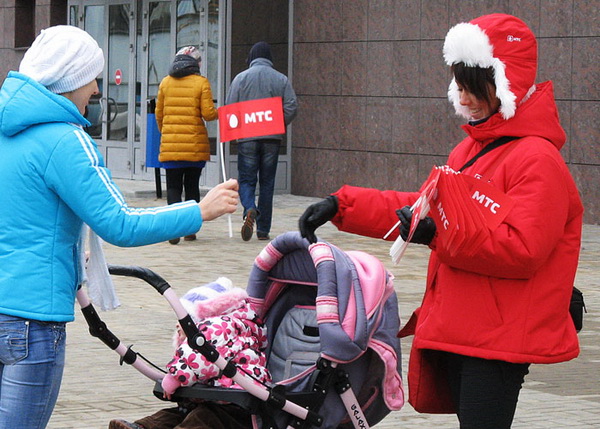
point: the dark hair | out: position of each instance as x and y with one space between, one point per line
475 80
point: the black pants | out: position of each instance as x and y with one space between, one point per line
180 179
485 392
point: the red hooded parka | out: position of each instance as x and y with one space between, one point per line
511 300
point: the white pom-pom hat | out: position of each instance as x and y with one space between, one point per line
502 42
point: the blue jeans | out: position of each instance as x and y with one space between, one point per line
257 162
32 359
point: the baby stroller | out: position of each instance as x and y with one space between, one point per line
331 318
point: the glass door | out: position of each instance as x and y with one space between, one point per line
122 129
139 40
156 55
169 26
115 113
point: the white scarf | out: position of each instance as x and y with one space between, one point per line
94 271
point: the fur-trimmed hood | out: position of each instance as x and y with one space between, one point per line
502 42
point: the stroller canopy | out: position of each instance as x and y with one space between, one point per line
356 307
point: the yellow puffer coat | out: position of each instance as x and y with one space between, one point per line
182 107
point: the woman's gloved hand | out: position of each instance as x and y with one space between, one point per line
316 215
425 229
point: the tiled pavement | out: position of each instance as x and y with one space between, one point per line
96 389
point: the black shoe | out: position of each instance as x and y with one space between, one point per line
262 236
174 240
122 424
248 226
190 237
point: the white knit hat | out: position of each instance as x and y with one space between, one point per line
213 299
502 42
63 58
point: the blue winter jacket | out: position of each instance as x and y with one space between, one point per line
53 178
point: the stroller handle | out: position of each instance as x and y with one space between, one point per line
198 342
154 280
149 276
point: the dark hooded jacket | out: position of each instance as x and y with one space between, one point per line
510 301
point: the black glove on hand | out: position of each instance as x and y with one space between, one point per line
316 215
425 229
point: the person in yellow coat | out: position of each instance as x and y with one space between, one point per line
184 102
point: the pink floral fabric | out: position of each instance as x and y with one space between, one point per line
238 335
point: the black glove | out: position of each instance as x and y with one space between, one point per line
425 229
316 215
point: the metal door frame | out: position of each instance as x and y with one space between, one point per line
104 143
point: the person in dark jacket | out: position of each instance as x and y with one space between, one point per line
258 156
488 312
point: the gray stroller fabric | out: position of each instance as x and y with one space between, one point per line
296 348
305 294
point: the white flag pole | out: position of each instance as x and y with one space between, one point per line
252 128
224 180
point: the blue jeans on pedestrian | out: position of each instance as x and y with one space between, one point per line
32 359
257 162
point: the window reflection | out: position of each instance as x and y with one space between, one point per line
188 23
138 74
93 24
73 14
212 64
118 60
159 51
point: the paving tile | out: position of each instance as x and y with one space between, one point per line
96 388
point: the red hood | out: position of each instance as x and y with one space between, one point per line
527 120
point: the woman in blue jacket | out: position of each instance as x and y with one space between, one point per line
54 180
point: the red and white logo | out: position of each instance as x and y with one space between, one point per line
252 118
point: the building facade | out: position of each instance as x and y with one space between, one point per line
369 75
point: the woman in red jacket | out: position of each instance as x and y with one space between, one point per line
485 318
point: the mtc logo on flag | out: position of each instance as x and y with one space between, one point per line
252 118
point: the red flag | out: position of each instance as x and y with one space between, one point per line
493 203
443 208
465 210
252 118
421 207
